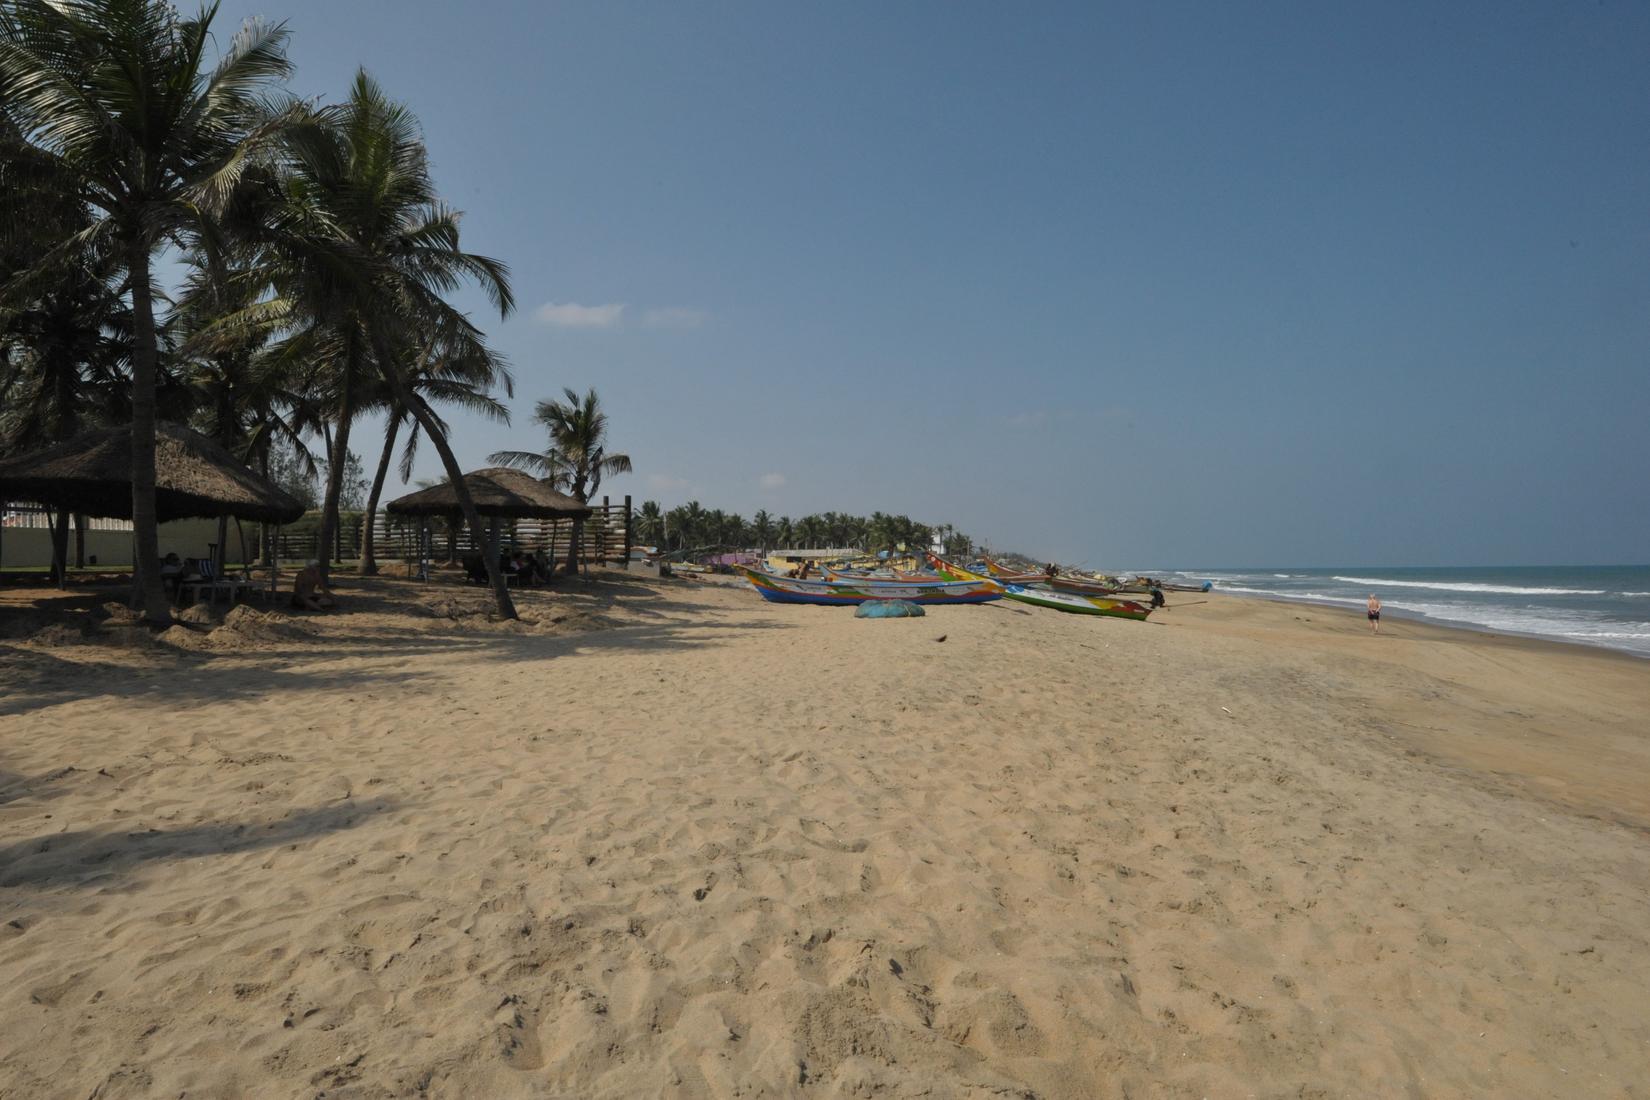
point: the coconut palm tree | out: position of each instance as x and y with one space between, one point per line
119 92
460 375
247 395
360 251
763 530
649 523
577 457
64 330
810 531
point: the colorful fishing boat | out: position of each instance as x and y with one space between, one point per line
1002 574
1077 603
879 576
1067 583
845 593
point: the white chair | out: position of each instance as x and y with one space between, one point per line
212 582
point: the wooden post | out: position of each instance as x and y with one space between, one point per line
273 551
627 532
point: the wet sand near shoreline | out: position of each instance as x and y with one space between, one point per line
665 839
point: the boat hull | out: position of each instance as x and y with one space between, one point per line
1087 588
1076 603
845 594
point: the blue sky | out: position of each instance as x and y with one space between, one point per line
1147 285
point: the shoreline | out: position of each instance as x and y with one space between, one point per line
1437 624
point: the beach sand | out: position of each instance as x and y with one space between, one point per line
667 840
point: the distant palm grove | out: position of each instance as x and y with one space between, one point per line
184 239
691 527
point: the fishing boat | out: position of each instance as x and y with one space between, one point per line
879 576
981 571
1077 603
845 593
1004 575
1067 583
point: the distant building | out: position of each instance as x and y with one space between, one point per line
827 553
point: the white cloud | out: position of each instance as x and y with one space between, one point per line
1035 418
662 483
674 317
771 481
573 315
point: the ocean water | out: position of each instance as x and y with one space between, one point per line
1601 605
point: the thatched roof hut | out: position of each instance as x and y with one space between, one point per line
91 473
499 492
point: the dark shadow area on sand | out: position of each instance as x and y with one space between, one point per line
378 620
35 678
83 856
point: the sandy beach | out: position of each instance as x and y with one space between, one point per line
666 840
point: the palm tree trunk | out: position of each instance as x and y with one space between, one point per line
337 460
60 548
80 540
265 540
573 541
148 593
432 429
369 563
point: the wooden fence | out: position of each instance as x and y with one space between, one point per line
607 536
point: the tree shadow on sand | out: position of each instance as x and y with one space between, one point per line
38 677
379 622
85 857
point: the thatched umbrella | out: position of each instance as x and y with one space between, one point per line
91 473
499 493
195 478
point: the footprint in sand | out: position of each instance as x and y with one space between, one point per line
822 834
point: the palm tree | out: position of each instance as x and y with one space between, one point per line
360 252
459 376
118 92
577 457
244 394
64 330
762 529
690 524
810 531
649 523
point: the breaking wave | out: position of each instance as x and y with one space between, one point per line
1467 586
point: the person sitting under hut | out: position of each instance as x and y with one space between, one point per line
171 572
310 591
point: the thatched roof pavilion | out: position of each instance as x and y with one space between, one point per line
499 493
91 473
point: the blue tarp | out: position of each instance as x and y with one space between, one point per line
888 609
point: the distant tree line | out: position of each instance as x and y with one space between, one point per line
691 526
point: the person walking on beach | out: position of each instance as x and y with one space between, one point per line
1374 613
